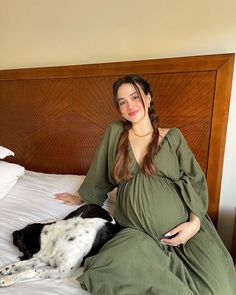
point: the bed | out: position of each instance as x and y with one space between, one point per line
53 119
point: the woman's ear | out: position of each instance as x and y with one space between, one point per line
149 98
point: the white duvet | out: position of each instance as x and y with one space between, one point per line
32 200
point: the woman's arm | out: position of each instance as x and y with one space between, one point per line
99 178
192 185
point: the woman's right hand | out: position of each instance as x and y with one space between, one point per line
68 198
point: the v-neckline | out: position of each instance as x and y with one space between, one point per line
159 148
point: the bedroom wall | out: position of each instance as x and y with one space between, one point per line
37 33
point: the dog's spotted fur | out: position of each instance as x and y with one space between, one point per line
63 246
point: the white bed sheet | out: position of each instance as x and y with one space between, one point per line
32 200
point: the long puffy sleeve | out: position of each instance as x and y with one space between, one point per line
192 182
99 179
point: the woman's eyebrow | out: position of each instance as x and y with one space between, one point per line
120 98
135 92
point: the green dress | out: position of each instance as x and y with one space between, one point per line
134 261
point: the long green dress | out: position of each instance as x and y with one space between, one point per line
134 261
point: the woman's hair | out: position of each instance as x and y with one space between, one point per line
121 166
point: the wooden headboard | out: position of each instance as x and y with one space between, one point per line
53 118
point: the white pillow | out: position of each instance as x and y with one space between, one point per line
54 183
9 174
4 152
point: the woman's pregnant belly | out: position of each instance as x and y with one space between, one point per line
152 205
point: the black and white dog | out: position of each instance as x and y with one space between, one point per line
57 249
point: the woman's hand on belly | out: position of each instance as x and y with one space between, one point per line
183 232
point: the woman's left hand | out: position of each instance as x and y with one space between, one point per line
183 232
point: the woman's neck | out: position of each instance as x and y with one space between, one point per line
143 128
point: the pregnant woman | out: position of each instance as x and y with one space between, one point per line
168 245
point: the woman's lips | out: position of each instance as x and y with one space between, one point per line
133 113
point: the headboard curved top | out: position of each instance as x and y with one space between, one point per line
53 118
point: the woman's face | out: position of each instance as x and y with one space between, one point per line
130 103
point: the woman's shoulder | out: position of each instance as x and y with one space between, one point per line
116 126
173 135
114 130
172 132
163 131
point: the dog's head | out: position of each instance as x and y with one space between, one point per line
27 239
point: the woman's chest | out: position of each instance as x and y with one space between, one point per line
165 161
139 147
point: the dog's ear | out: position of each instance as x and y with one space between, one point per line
17 236
21 244
27 239
26 256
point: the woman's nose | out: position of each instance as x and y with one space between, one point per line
130 105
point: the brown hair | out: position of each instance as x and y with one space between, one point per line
121 165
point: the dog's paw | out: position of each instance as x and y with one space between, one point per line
6 281
2 273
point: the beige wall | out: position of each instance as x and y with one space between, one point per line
37 33
54 32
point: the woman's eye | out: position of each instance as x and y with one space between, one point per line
136 97
121 103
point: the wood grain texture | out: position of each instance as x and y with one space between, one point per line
54 118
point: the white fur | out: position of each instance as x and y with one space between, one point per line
63 246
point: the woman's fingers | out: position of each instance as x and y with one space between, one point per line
176 241
179 235
61 196
173 232
67 198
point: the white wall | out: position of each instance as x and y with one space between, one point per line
37 33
